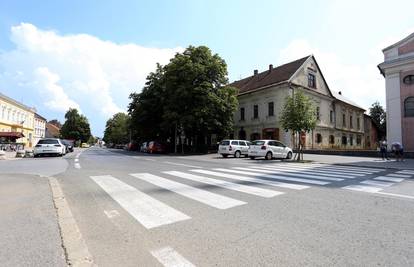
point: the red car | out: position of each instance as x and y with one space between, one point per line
156 147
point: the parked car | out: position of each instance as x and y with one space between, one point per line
156 147
68 144
49 146
144 147
269 149
236 148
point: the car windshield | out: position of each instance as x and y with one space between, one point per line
48 142
65 142
258 143
225 143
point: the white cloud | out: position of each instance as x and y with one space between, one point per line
52 91
83 70
360 82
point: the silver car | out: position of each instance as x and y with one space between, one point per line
49 146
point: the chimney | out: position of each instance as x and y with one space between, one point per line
340 93
255 72
270 67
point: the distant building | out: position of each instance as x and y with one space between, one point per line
262 96
16 121
398 70
39 128
52 131
371 133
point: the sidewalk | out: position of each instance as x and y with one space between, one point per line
376 162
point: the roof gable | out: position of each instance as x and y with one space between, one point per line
269 77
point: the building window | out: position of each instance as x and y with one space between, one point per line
331 116
343 120
358 140
350 122
271 110
331 139
242 114
409 107
318 138
358 123
318 113
311 80
351 139
344 141
255 111
409 79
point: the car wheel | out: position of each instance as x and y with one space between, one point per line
237 154
269 155
289 155
224 155
251 157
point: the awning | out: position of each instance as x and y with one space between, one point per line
11 134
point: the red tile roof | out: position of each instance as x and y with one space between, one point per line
276 75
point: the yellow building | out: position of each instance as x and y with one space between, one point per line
16 122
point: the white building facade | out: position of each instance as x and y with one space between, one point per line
39 128
262 96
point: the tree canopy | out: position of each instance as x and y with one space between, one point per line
117 129
189 96
298 115
76 126
378 115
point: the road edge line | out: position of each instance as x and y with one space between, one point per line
74 246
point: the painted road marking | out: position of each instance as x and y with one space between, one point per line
77 166
181 164
395 195
342 167
377 183
389 179
228 185
76 160
406 172
398 175
254 180
148 211
206 197
168 257
285 176
307 171
111 213
363 188
333 168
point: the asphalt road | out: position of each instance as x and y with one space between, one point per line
149 210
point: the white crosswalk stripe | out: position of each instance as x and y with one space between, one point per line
203 196
168 257
289 173
308 171
377 183
389 179
363 188
228 185
254 180
410 172
331 170
398 175
334 168
277 177
148 211
339 167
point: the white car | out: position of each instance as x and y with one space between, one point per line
233 147
269 149
49 146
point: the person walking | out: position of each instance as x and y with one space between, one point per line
383 149
398 149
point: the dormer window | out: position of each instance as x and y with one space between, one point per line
409 79
311 80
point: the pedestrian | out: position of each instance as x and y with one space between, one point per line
398 149
383 149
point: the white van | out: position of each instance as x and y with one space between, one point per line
233 147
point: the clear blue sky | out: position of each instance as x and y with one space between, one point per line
345 36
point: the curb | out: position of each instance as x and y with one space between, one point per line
76 251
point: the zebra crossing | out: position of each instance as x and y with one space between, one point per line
267 181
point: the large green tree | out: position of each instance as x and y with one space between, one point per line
379 116
298 116
117 129
76 126
189 96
